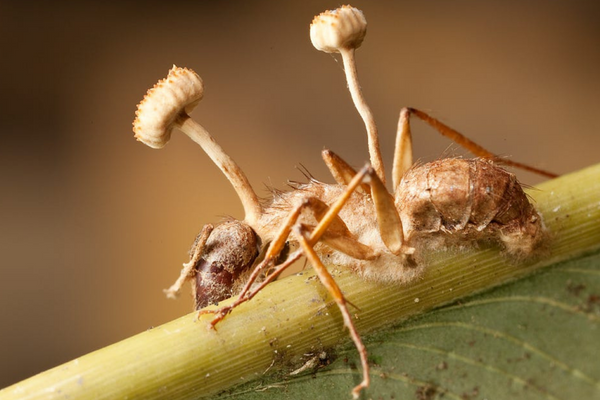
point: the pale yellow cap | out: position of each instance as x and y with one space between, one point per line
344 27
178 93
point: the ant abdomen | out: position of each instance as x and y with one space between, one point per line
226 261
465 200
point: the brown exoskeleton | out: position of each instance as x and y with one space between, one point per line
355 223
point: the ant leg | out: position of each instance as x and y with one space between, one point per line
403 145
189 271
388 219
333 288
390 225
342 172
403 156
337 235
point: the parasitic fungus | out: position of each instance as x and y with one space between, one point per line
342 31
166 106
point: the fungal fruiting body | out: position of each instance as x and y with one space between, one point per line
179 93
356 223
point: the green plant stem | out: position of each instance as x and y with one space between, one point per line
183 359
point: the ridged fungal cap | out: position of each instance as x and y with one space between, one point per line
178 93
344 27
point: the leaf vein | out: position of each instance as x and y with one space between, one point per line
502 335
476 363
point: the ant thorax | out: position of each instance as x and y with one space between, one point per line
357 223
359 217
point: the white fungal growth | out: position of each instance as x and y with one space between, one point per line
333 30
178 93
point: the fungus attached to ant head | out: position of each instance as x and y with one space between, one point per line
220 256
356 223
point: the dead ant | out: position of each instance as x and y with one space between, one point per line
355 223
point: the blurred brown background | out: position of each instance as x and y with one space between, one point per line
93 224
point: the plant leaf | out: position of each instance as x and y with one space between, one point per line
536 338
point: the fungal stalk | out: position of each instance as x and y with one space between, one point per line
166 106
342 31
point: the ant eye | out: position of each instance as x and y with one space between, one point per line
225 263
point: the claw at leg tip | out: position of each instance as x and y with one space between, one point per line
171 294
356 391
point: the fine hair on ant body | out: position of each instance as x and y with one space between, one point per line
356 223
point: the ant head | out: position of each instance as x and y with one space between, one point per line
225 262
